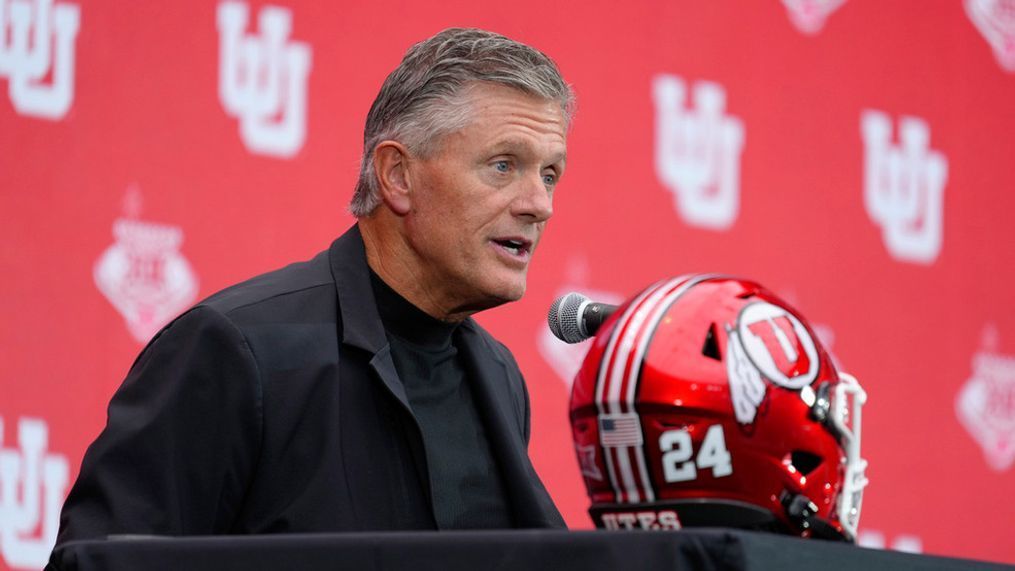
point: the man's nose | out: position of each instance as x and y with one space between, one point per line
535 200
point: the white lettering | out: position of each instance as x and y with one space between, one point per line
676 446
668 520
648 520
677 453
627 520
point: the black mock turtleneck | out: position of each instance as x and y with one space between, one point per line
464 478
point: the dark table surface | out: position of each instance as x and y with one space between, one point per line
703 549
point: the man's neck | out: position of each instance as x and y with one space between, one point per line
386 253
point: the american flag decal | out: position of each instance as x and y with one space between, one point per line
617 430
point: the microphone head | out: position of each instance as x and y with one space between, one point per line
565 318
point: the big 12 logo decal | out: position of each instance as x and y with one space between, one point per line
32 487
697 151
263 79
37 41
904 186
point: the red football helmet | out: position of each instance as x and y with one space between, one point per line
708 401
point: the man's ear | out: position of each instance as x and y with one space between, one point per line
390 166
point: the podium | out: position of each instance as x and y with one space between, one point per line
699 549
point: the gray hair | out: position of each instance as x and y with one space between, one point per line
424 98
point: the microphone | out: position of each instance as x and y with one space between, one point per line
574 318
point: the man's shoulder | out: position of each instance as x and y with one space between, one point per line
292 286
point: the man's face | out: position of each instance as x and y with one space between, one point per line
481 201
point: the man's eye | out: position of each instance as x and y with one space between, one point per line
549 179
502 166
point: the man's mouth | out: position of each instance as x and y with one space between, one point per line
516 246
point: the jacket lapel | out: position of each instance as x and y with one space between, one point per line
361 323
491 382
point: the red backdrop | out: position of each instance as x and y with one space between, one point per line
855 156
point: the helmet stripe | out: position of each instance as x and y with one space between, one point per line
614 373
614 465
627 382
634 375
617 386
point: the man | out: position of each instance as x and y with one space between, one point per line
352 392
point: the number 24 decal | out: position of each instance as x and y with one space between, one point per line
677 453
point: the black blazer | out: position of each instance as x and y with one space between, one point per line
274 406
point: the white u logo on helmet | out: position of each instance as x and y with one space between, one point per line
779 345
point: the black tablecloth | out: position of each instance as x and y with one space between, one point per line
489 551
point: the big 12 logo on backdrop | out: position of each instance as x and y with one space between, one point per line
903 186
32 487
143 274
263 79
808 16
985 404
995 19
37 41
697 151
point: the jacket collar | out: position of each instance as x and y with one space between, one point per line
361 323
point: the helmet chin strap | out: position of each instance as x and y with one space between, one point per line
802 511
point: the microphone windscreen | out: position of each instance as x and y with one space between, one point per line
564 318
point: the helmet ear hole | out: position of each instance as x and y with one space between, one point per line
711 347
804 462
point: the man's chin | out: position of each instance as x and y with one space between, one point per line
513 291
503 293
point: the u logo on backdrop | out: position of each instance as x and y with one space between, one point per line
32 487
904 186
263 79
36 42
697 151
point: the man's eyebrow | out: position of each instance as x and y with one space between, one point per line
515 146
